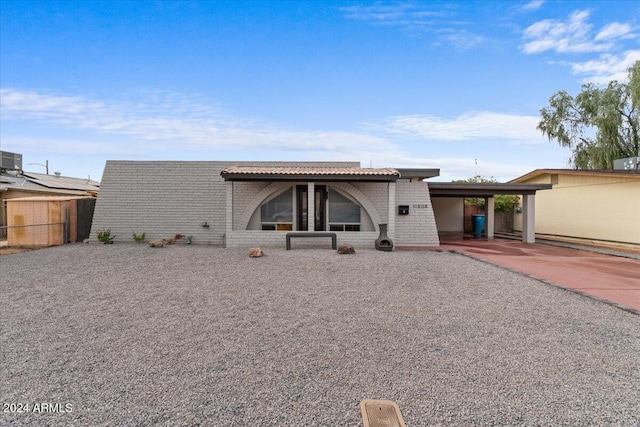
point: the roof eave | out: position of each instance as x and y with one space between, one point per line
446 189
307 177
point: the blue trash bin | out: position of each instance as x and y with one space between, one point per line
478 225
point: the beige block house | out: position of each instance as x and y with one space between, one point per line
587 204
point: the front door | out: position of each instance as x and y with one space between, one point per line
320 202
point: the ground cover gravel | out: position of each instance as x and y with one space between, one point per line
127 335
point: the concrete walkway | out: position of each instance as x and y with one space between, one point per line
613 279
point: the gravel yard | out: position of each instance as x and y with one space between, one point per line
128 335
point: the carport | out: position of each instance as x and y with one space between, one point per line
488 191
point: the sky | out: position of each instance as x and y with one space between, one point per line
454 85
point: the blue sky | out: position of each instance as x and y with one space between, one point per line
452 85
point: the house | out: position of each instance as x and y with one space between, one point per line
241 204
594 205
16 184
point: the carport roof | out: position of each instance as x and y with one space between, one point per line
455 189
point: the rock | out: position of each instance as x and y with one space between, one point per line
85 241
156 243
255 252
346 248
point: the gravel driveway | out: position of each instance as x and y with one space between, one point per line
119 335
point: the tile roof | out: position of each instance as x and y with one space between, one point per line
308 170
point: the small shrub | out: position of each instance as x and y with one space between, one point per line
105 236
139 238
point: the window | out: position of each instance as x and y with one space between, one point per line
344 214
277 213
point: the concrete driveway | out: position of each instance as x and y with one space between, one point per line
610 278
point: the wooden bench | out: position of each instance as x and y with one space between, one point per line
334 238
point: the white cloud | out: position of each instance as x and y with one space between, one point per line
607 67
418 18
571 36
463 40
576 35
401 14
514 128
615 30
173 120
166 126
533 5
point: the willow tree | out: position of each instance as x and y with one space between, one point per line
599 125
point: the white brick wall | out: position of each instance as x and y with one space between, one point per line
250 238
377 193
162 198
419 227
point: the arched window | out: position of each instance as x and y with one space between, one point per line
277 213
344 214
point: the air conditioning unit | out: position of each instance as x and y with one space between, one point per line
630 163
10 161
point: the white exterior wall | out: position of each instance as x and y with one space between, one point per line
449 213
419 227
373 194
250 238
162 198
377 193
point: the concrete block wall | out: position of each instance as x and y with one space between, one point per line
251 238
419 227
243 194
162 198
378 194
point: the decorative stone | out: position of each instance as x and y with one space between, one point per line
255 252
156 243
346 248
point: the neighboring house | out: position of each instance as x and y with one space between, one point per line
241 204
599 205
15 184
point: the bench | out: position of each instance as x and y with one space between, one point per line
334 239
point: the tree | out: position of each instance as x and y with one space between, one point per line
501 202
599 124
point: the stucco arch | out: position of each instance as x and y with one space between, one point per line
278 187
259 198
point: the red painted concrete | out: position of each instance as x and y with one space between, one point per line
612 278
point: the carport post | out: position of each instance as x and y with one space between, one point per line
529 218
490 217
